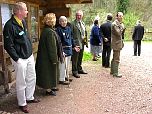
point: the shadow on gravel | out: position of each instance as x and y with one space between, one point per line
8 102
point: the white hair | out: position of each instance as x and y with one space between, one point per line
18 6
138 22
109 14
62 18
79 12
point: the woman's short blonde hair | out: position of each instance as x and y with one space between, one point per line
49 19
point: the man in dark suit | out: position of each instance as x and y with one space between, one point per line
137 36
80 39
105 30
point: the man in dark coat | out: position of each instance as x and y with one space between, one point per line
137 36
80 39
105 30
18 45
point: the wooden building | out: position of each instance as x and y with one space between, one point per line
36 10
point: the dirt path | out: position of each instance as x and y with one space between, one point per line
99 92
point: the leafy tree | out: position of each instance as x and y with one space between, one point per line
122 5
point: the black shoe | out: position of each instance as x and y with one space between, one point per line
55 89
76 75
70 80
64 82
24 109
82 72
33 101
98 56
52 93
94 59
107 66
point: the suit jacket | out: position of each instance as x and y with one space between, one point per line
138 32
116 35
77 35
105 30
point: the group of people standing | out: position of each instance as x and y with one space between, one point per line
57 47
109 36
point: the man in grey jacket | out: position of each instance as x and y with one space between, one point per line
80 39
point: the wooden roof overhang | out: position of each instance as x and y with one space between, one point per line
58 6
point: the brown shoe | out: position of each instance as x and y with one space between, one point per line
24 109
33 101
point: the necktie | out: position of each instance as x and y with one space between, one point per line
81 29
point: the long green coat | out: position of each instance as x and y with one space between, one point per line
46 71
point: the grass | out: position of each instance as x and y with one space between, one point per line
87 56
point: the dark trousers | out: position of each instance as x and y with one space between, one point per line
137 46
106 56
77 61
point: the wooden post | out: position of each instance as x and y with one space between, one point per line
4 66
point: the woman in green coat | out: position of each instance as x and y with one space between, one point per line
48 55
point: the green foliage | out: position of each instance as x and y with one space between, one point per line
130 19
122 6
87 56
132 10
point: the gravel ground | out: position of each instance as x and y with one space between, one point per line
98 92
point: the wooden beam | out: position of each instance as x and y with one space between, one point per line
63 1
60 11
86 1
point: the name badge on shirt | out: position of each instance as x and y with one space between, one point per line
63 34
21 33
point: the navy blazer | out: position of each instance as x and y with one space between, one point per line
138 32
65 34
95 37
105 30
